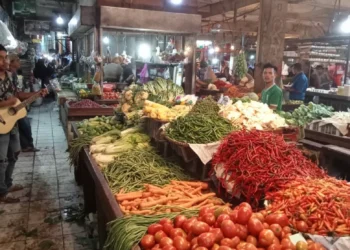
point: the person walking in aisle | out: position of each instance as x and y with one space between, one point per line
272 95
299 85
25 130
9 143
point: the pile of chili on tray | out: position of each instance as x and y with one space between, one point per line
258 162
317 206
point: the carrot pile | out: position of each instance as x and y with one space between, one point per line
257 162
174 197
323 204
233 92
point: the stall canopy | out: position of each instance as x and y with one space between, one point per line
149 20
82 21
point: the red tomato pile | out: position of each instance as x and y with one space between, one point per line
224 229
110 95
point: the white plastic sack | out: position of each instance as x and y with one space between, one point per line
342 243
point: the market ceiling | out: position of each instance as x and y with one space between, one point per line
221 18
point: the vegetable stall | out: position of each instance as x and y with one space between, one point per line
153 202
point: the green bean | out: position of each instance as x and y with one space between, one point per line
126 232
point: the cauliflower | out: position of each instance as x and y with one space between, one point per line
126 108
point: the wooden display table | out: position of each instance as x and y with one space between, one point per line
98 197
69 115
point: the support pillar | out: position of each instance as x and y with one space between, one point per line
271 35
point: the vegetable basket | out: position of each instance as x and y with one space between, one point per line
152 127
290 133
182 149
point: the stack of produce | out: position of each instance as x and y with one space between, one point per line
173 197
222 84
201 126
86 103
98 125
252 115
241 68
163 113
77 144
132 169
253 163
316 206
160 91
220 229
234 92
107 149
110 95
305 114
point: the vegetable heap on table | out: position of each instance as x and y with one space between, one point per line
199 128
222 84
318 206
206 106
307 113
252 115
234 92
220 229
105 151
163 113
173 197
253 163
86 103
77 144
98 125
127 231
132 169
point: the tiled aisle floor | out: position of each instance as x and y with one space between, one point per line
38 221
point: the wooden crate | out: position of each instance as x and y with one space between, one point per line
329 129
88 112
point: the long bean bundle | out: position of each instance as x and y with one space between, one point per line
126 232
75 146
199 128
256 162
134 168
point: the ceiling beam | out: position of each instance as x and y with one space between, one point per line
225 6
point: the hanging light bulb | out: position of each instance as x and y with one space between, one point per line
59 20
211 51
217 49
345 26
215 60
106 40
232 47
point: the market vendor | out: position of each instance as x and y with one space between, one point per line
272 95
113 71
225 71
299 85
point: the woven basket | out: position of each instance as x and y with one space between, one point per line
182 149
153 128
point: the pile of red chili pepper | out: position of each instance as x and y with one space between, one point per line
85 103
318 206
221 84
257 162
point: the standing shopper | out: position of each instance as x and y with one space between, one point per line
272 95
25 130
9 143
299 85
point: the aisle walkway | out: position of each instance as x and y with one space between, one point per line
50 198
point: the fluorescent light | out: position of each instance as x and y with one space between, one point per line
144 51
48 35
59 20
176 2
252 57
211 51
345 26
106 40
215 60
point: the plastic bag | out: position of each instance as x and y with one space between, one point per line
55 85
6 38
144 74
167 74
